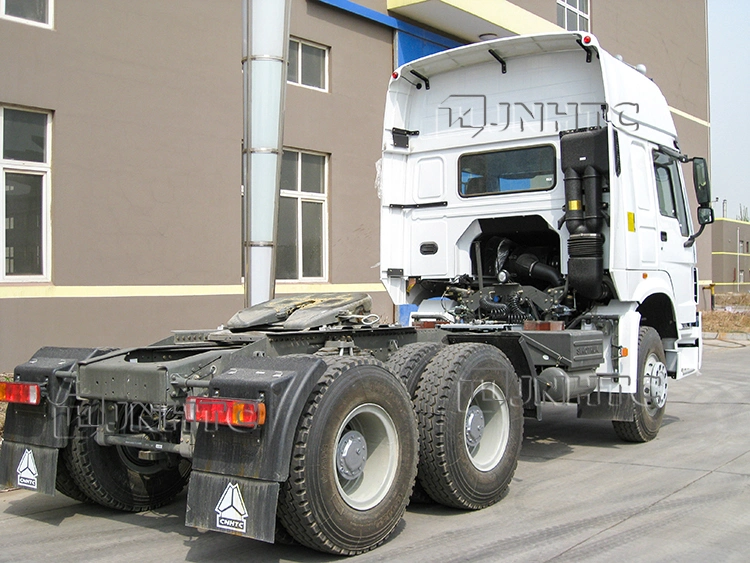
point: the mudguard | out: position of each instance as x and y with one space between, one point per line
33 434
237 472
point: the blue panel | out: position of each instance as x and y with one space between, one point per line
413 41
403 313
411 47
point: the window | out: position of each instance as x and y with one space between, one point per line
669 190
30 11
514 170
301 232
24 148
573 15
308 65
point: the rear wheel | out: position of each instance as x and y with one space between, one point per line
650 400
470 416
64 482
409 362
354 460
115 476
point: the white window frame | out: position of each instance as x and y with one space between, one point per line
33 168
301 196
49 24
326 58
578 12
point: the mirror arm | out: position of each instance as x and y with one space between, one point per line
691 240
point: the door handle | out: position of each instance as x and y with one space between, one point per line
664 236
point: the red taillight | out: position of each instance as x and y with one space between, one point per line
25 393
227 412
394 75
587 39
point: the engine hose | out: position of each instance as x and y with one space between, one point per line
515 313
496 311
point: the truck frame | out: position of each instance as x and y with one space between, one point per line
534 229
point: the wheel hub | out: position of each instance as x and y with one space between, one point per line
351 455
474 426
655 388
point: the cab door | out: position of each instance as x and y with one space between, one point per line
673 225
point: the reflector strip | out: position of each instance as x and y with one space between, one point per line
227 412
24 393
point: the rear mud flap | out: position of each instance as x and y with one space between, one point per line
28 467
233 505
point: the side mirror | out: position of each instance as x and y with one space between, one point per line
701 182
705 215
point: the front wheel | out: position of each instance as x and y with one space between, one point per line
354 460
650 399
470 416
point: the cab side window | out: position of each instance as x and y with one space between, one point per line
669 190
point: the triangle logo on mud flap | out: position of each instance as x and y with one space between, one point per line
231 513
27 472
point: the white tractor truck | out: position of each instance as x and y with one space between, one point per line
534 225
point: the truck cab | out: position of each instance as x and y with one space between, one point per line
539 178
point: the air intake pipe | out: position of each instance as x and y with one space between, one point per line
530 265
585 160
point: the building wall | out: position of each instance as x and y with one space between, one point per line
145 180
731 248
345 123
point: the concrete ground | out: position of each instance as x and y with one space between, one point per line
579 494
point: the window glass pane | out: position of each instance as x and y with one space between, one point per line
583 5
679 200
313 167
24 135
34 10
573 3
561 15
313 66
664 191
312 239
583 23
508 171
288 179
572 19
293 66
286 240
23 224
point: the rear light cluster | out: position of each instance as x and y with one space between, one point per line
24 393
243 413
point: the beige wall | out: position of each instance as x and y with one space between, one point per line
725 250
147 126
145 184
346 123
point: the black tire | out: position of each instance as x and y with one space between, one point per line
460 464
64 482
114 477
408 363
650 399
318 506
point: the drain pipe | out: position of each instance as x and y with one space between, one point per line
265 41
